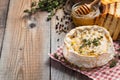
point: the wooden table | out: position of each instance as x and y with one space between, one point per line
24 50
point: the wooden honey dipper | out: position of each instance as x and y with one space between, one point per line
85 9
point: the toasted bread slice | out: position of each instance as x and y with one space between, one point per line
113 24
110 19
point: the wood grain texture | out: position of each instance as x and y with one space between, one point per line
25 50
4 4
58 71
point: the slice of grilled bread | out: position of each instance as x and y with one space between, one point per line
110 19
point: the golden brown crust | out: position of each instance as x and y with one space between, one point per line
110 18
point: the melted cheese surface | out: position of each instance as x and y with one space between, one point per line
89 41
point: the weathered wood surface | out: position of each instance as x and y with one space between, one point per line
24 53
3 16
25 49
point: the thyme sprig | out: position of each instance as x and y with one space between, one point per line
113 63
32 9
50 6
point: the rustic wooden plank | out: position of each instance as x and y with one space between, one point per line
3 15
58 71
25 50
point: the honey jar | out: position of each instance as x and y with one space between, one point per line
87 19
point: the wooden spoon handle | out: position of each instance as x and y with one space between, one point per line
94 2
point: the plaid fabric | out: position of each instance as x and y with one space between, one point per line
102 73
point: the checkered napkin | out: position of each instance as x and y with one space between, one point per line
101 73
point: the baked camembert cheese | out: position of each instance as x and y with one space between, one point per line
88 46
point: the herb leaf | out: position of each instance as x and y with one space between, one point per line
88 42
56 56
46 5
33 4
113 63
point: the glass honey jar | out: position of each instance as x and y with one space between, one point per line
87 19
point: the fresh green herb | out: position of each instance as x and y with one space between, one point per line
81 46
100 37
33 4
56 56
85 43
96 41
50 16
88 42
113 63
46 5
33 8
85 40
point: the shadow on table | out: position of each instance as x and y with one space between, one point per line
56 66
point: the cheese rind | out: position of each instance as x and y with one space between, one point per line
102 53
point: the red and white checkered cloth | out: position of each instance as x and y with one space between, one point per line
102 73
